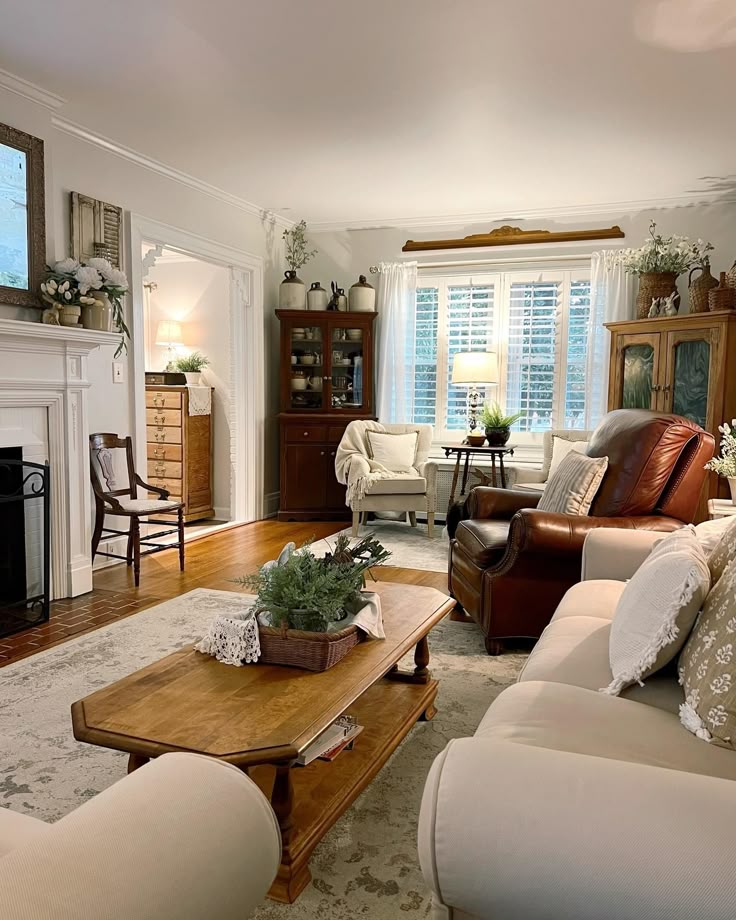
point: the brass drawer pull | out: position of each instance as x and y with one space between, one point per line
160 435
159 419
160 469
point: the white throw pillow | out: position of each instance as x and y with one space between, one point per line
574 485
657 609
397 452
561 447
710 532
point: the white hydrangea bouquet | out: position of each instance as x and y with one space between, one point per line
725 464
73 283
665 254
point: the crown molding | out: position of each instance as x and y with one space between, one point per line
28 90
616 208
176 175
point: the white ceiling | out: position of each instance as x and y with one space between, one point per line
338 110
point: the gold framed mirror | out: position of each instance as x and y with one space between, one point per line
22 217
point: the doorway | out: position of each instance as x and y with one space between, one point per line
195 295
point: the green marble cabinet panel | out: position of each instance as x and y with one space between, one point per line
638 377
690 380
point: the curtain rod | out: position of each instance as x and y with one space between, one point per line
582 257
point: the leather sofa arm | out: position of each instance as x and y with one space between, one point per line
559 834
485 502
548 532
183 837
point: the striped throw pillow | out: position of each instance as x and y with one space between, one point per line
573 486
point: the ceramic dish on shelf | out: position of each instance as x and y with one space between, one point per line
355 335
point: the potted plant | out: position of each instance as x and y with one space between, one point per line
725 464
93 290
191 366
496 424
292 293
658 263
308 602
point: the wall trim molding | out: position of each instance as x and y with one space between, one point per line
618 208
271 504
28 90
170 172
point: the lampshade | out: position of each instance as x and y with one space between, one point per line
168 332
474 367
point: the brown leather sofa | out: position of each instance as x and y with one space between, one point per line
510 564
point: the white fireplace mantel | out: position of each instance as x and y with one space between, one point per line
46 367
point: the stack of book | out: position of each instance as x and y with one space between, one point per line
332 741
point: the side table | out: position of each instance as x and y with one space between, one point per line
720 508
467 451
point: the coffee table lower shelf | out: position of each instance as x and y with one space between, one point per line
322 791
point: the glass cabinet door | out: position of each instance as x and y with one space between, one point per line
637 375
308 376
689 374
346 364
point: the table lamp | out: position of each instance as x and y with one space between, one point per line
472 369
168 333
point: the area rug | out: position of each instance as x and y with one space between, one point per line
409 546
366 865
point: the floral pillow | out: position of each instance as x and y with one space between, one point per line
708 667
723 552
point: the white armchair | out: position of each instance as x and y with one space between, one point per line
184 837
535 479
410 494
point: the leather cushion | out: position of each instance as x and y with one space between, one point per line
484 542
643 448
415 485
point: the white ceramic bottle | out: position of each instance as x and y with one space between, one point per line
316 297
292 293
362 297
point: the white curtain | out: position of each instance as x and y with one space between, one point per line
612 298
397 290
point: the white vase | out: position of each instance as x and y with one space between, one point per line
362 297
193 379
292 292
732 487
316 297
99 314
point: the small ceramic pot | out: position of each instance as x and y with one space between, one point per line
69 316
315 383
476 440
497 437
317 297
362 297
194 379
99 314
299 382
732 487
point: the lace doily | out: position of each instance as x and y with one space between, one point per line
232 638
200 400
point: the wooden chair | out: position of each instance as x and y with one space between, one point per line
124 502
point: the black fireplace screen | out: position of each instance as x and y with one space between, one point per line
24 542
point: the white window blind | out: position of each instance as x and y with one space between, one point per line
539 324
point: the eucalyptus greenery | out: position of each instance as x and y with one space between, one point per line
191 364
665 254
310 593
491 416
296 252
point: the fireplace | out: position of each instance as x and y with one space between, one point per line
24 542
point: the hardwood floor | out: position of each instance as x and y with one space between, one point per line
212 562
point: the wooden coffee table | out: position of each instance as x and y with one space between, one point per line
260 717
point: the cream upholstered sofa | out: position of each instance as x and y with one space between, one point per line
183 838
569 804
408 494
535 479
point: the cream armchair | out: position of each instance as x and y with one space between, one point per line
410 494
535 479
183 838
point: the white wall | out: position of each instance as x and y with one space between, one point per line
76 165
343 255
197 294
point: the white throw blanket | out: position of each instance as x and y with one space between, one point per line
355 469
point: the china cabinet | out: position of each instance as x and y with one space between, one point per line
682 364
326 381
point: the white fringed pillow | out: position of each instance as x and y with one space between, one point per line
657 609
397 452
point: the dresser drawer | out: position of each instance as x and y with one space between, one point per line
172 486
163 435
167 469
296 433
163 417
165 451
160 399
335 433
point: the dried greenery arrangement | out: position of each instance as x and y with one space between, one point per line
296 252
312 593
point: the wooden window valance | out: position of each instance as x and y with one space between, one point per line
514 236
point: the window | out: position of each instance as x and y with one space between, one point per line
538 323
